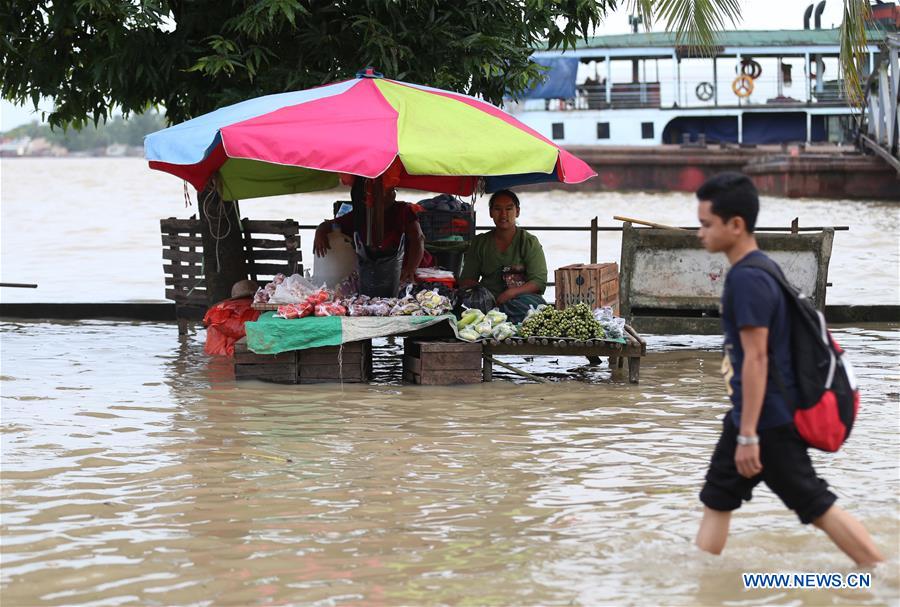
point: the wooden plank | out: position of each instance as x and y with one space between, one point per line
415 347
250 357
179 240
412 364
437 361
183 282
192 270
281 373
289 243
333 373
330 353
287 227
447 378
274 254
189 256
173 225
607 349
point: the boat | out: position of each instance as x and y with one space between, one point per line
754 87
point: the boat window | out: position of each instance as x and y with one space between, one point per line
602 130
646 130
559 130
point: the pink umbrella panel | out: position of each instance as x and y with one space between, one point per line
422 138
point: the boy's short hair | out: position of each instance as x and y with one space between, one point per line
508 193
732 195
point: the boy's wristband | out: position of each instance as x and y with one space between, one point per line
747 440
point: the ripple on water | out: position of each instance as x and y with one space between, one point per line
167 482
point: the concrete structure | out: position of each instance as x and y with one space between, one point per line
670 284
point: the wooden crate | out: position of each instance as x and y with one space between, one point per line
280 368
310 366
441 362
350 363
594 284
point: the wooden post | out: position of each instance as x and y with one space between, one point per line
377 212
594 232
223 244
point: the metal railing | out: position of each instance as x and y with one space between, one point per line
595 228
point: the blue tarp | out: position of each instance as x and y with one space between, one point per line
560 78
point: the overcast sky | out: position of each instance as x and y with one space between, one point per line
757 15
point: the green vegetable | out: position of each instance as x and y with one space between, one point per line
470 317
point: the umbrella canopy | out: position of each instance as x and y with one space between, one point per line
423 138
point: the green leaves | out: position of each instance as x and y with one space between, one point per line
193 56
694 21
853 47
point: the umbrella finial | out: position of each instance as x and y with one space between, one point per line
369 72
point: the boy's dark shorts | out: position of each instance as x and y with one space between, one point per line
787 470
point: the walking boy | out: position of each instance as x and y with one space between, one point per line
759 441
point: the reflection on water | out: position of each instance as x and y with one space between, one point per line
136 471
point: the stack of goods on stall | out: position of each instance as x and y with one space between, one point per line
448 225
296 297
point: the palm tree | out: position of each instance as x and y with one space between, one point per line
696 22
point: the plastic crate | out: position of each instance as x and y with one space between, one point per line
440 225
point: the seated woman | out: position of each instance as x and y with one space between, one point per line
507 261
399 220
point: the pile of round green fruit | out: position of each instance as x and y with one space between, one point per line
577 322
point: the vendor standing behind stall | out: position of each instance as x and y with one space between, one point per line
506 262
399 220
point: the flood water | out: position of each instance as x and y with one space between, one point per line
135 471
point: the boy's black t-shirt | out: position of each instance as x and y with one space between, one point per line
752 298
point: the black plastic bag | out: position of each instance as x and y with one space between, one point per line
477 297
379 275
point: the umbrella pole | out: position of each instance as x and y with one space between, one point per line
375 213
378 223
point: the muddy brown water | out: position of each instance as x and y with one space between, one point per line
135 471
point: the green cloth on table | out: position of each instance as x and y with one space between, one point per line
273 335
484 263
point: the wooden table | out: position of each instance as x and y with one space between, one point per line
633 349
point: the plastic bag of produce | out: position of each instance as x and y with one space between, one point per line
469 334
484 329
471 316
496 317
604 314
504 330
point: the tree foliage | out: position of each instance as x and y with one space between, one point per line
192 56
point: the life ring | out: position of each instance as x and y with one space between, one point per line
742 86
750 67
705 91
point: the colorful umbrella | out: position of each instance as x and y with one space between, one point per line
423 138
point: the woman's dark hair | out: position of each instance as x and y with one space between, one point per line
732 195
509 193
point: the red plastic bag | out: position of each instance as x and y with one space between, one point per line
296 310
225 324
331 309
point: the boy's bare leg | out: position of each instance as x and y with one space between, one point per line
849 535
713 530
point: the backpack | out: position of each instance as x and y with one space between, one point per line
828 398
